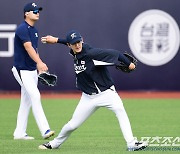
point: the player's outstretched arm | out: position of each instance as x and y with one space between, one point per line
49 39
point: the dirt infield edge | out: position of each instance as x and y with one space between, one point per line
123 94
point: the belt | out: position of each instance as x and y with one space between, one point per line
95 93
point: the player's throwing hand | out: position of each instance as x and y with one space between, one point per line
49 39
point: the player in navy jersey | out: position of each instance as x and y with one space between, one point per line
96 84
27 65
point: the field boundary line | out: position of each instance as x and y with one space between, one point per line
77 95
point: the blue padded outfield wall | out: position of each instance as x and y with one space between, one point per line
148 29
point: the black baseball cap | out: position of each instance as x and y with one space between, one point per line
32 7
73 36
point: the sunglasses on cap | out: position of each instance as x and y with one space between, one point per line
35 11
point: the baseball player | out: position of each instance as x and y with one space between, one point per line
26 64
98 90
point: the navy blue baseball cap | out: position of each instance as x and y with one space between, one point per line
73 37
32 7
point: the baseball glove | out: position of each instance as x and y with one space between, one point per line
123 67
48 79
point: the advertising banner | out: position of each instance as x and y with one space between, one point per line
149 30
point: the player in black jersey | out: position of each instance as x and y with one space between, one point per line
96 84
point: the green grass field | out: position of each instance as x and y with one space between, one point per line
100 134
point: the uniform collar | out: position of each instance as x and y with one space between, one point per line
28 24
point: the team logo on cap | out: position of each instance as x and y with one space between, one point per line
73 35
154 37
33 4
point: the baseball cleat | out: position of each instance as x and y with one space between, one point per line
45 146
48 134
137 146
24 138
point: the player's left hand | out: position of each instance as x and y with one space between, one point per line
127 69
132 66
42 67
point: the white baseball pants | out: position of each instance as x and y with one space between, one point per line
87 106
30 97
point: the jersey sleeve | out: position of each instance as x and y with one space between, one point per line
23 34
62 41
124 59
102 57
